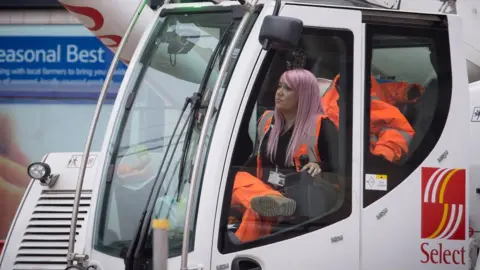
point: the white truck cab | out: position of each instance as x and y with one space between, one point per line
181 130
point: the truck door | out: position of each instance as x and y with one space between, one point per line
328 233
415 212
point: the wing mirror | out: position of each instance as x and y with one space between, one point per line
282 33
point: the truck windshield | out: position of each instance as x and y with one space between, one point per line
171 68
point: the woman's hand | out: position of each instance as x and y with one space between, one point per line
312 167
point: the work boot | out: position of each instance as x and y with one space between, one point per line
273 205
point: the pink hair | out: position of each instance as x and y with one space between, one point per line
305 85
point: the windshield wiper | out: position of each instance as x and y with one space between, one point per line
223 40
138 242
141 227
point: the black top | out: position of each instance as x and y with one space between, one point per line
327 148
29 4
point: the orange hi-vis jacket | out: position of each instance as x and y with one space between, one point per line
390 132
310 148
393 92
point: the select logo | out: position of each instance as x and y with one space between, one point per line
443 203
443 214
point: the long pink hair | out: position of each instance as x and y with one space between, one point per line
305 85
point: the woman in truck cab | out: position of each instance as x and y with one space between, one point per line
294 130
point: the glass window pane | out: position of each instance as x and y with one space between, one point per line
158 136
410 98
250 216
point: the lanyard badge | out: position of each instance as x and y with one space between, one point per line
277 179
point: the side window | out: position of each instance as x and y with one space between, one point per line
410 89
250 216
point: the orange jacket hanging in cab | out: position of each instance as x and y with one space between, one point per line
395 93
390 132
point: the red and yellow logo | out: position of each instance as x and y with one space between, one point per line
443 203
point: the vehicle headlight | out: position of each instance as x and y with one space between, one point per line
39 171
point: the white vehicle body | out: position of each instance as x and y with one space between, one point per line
114 24
379 232
45 218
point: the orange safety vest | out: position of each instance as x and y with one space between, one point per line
310 148
390 132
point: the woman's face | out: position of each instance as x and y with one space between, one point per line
286 99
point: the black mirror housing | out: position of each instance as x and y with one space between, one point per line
154 4
282 33
180 43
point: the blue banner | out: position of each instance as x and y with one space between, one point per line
55 67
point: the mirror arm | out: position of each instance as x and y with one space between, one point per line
277 7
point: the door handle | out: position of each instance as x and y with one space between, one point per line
243 263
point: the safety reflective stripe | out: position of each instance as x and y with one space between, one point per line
406 136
